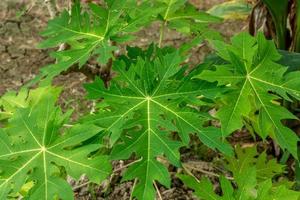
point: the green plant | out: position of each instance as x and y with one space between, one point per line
252 179
98 31
147 104
148 100
185 18
92 33
36 146
278 19
256 84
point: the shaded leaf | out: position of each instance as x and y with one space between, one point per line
247 174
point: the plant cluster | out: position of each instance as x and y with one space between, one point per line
148 102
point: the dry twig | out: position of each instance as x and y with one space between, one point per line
51 6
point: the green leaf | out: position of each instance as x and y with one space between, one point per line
247 172
35 147
91 33
250 168
12 100
266 192
256 84
184 17
290 60
148 100
105 53
227 188
246 158
267 169
204 189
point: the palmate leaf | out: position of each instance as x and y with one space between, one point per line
251 176
35 147
251 190
257 84
148 100
91 33
184 17
246 159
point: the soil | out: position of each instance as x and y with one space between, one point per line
20 61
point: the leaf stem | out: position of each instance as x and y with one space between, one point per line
190 173
131 193
186 166
157 190
162 32
125 166
81 185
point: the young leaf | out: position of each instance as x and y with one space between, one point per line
247 158
247 170
90 34
257 84
281 192
35 147
148 100
204 189
184 17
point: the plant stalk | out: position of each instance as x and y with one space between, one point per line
161 35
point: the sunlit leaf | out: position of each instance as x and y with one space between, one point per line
256 84
149 99
34 147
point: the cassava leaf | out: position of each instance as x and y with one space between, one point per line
91 33
257 84
150 98
35 147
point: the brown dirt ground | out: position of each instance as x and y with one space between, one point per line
20 61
